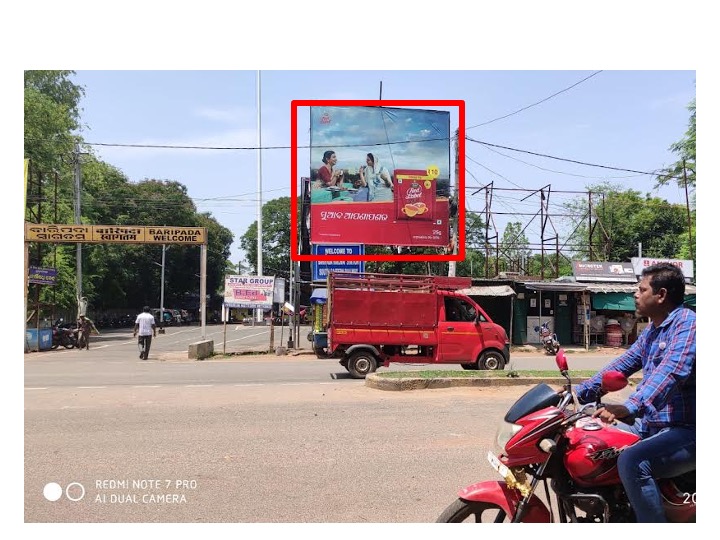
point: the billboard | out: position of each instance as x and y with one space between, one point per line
380 175
604 271
320 269
123 234
640 263
252 292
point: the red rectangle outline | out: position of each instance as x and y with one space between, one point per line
294 104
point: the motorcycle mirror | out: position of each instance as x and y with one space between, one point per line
561 360
612 381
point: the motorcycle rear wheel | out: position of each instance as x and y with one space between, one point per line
462 511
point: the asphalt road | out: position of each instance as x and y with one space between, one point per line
246 439
113 360
333 452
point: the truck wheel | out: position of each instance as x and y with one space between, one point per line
469 366
361 363
492 360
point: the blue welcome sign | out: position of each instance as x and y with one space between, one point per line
320 269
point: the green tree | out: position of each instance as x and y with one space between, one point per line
624 219
685 150
275 239
474 263
515 250
114 275
52 113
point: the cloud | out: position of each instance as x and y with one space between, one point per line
232 115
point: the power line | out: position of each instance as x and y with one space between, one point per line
184 147
537 103
654 173
560 172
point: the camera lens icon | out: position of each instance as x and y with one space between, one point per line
74 491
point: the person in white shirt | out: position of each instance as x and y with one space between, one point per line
145 330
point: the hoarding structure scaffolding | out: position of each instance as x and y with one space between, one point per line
549 239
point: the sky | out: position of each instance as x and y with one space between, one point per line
502 57
624 119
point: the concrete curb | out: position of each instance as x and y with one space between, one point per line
416 383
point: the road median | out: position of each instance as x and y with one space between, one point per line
381 381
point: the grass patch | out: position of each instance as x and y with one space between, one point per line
484 374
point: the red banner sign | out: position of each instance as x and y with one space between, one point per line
377 223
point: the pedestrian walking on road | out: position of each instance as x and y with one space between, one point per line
145 330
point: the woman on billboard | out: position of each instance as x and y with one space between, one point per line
329 177
377 178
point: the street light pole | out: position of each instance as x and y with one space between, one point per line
162 289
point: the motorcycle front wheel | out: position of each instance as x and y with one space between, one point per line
473 512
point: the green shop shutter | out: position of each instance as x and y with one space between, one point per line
613 301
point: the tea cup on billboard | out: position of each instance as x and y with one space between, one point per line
410 210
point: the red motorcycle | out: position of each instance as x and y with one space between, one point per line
549 437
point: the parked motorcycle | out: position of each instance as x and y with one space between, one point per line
548 339
62 336
548 437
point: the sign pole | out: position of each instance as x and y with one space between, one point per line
27 258
225 316
203 292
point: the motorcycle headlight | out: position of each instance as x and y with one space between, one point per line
505 432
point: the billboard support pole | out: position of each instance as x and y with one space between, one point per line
291 316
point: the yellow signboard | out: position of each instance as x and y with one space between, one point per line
130 234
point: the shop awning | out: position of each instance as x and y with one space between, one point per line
610 288
615 301
318 296
560 286
488 290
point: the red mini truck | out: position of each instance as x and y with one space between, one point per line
375 319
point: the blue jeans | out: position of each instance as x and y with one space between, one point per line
665 453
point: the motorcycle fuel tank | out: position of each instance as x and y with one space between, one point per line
593 450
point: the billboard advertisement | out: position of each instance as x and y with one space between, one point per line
320 269
640 263
252 292
380 175
604 271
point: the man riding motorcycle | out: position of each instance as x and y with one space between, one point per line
662 409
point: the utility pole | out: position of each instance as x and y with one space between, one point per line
452 265
78 248
259 312
162 290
